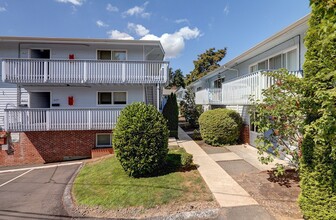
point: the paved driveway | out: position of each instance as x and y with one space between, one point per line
35 193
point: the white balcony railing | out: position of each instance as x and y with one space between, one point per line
209 97
238 91
44 119
40 71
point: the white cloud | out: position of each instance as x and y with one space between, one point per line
226 10
74 2
115 34
112 8
2 9
101 24
138 11
173 44
182 20
138 29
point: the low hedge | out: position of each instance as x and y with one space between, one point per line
220 126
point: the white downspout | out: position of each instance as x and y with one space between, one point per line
158 97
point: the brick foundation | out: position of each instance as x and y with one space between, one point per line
245 134
37 147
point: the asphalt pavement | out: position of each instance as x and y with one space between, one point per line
35 193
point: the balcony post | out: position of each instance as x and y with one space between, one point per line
89 117
4 71
47 120
165 72
85 72
123 72
45 71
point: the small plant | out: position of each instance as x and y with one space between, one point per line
220 126
197 135
140 140
186 160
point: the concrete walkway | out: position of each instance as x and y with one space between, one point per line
225 189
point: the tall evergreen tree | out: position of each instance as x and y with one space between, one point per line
170 112
178 79
318 161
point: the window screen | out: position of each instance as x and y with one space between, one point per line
104 98
119 98
103 140
119 55
104 55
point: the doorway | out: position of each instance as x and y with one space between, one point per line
39 99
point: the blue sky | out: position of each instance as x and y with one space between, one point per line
186 28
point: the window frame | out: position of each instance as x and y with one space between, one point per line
101 146
112 98
282 52
112 50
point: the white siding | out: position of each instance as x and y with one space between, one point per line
8 97
242 110
86 97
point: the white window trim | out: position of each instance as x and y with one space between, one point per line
111 53
51 96
276 54
103 134
109 105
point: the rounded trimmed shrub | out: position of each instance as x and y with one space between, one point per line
220 126
140 140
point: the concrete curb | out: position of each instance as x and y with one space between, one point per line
201 214
68 204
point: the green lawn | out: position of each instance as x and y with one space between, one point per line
105 184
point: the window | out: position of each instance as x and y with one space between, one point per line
104 55
254 68
111 55
119 98
253 119
263 65
119 55
291 60
109 98
103 140
275 62
104 98
286 60
218 82
198 89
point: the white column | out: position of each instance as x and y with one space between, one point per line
45 70
85 72
4 71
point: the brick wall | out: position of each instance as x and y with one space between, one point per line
38 147
245 134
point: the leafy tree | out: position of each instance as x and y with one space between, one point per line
318 162
190 110
205 63
280 117
170 112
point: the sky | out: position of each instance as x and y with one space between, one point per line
186 28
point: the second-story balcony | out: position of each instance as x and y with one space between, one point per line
239 90
209 97
45 71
